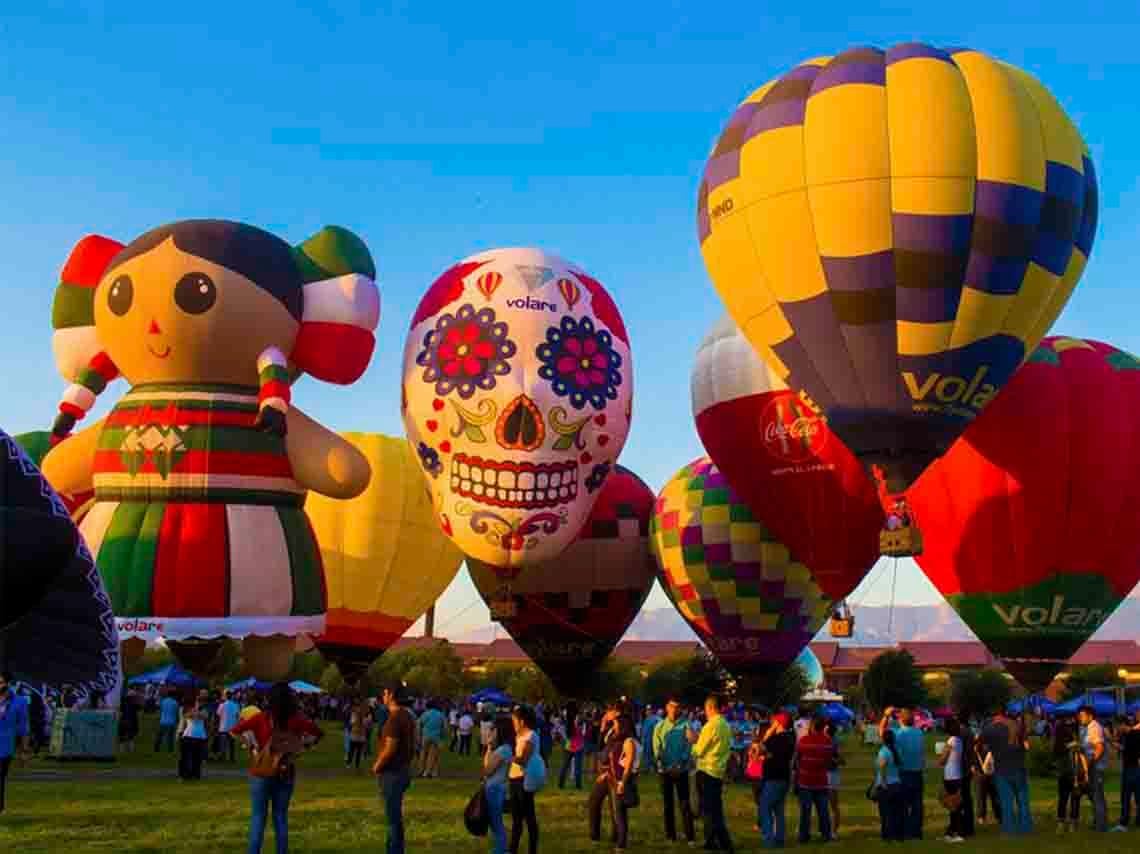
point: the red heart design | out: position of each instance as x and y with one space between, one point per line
445 446
585 458
600 420
603 440
437 404
432 426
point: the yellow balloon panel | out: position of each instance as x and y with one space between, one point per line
385 559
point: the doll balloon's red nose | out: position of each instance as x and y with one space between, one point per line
154 330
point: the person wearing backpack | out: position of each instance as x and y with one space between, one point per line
523 779
280 734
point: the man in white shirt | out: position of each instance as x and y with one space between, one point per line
453 725
486 731
466 725
1095 748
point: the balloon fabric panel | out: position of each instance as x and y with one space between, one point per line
894 231
735 585
1033 515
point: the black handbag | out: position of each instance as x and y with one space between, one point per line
874 791
476 817
630 797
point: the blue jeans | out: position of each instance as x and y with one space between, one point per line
264 791
393 784
816 798
912 785
891 813
1013 793
1129 792
773 796
164 736
496 796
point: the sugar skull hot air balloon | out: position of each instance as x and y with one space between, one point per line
200 470
385 559
733 582
1034 514
517 398
780 456
571 611
894 231
56 626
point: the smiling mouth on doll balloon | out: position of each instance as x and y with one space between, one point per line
157 354
526 486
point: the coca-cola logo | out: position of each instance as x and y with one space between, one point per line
792 431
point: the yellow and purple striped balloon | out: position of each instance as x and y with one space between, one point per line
894 231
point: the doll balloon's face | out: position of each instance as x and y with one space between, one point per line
517 398
168 316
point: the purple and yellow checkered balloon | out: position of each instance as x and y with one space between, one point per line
733 582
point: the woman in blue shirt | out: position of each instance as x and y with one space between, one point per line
13 728
890 789
192 747
496 763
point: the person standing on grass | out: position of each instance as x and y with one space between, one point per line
1007 745
911 745
577 728
194 738
711 750
813 759
522 801
498 754
466 727
779 749
168 711
433 726
453 728
648 726
282 727
1095 747
1129 747
13 729
357 734
834 780
129 720
673 755
987 786
953 780
1068 795
393 765
888 778
229 713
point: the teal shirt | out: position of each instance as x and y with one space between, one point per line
671 748
911 745
889 775
432 723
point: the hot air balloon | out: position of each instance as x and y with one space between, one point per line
198 528
385 559
570 612
56 626
733 582
784 462
36 445
1034 514
517 397
894 231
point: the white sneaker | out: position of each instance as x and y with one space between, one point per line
1120 828
954 840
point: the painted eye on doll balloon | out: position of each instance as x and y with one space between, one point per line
121 295
195 293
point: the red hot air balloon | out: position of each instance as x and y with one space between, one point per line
570 612
1033 516
784 461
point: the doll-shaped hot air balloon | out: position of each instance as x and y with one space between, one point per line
736 585
569 613
780 456
894 231
201 468
56 626
1033 516
36 445
386 560
517 397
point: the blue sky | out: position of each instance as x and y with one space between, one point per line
436 130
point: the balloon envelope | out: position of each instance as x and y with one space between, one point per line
385 559
894 231
1033 517
58 631
732 581
517 396
36 444
784 461
571 611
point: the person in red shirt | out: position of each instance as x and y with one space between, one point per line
281 717
814 755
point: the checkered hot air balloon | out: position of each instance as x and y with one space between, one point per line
733 582
894 232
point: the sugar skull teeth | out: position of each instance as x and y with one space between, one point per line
516 485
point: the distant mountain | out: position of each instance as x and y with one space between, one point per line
875 625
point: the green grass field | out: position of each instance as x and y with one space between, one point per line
138 805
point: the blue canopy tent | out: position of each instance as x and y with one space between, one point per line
1133 708
303 687
838 713
1034 703
493 696
1104 705
246 684
171 674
